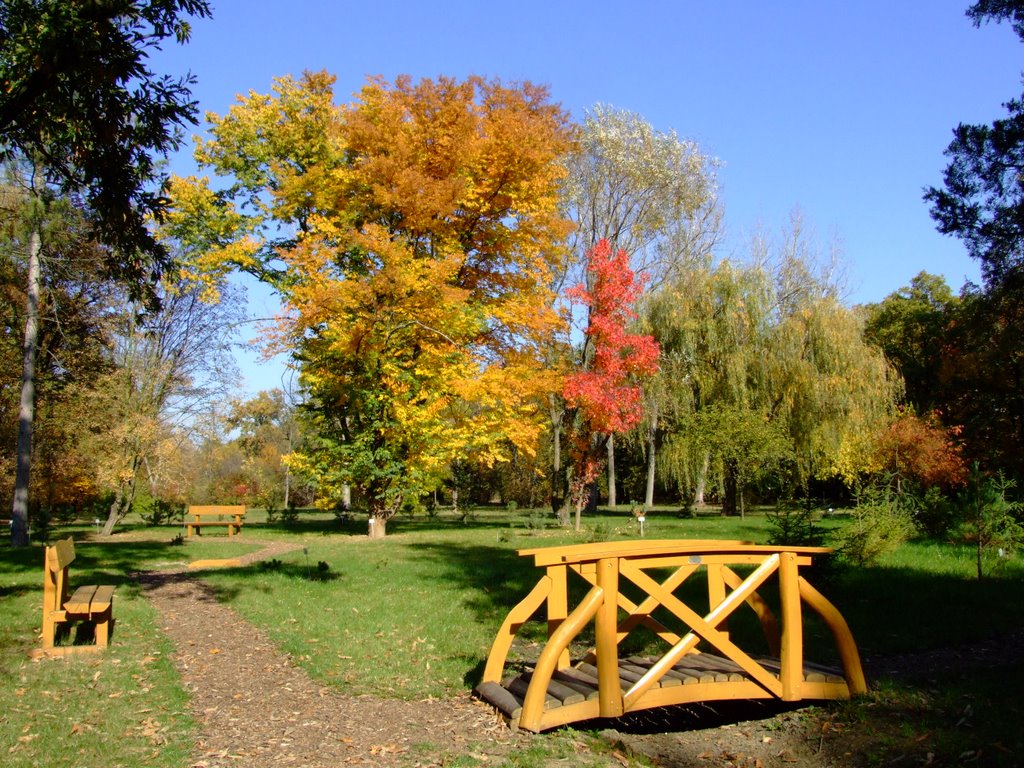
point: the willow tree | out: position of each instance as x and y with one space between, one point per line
765 350
413 236
646 192
712 323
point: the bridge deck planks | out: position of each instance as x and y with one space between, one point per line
579 683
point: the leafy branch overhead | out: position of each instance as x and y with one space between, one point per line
77 94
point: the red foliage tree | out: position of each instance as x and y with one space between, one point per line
922 450
606 394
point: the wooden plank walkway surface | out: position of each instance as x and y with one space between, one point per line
579 684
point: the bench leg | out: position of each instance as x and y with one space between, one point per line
49 631
103 629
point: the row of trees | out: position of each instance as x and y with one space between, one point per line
457 265
472 287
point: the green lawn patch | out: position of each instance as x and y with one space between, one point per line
122 707
414 615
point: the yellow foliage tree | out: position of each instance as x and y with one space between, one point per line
412 235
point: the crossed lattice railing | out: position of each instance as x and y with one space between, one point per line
702 662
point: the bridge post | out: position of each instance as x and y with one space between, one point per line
792 661
606 636
558 605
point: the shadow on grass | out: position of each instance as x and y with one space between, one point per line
113 562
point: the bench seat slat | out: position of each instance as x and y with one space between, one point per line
102 599
80 601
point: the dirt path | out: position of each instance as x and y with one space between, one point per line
258 709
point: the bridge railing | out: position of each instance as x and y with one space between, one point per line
606 567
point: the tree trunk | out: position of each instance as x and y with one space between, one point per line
558 484
564 504
377 527
612 496
731 483
651 457
701 484
380 513
122 502
26 412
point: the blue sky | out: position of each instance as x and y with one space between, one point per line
842 110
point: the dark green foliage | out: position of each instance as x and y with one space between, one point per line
793 524
157 511
882 521
991 522
77 95
982 197
909 326
936 514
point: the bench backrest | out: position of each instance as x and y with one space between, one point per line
61 554
55 574
216 509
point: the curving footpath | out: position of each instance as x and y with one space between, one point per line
256 708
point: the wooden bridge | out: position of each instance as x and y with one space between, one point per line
701 663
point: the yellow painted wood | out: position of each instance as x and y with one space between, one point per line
769 624
102 600
640 614
230 562
200 511
88 602
848 653
792 655
641 687
716 592
547 664
606 622
578 553
80 601
515 619
61 554
705 626
558 605
683 674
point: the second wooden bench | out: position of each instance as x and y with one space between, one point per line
214 514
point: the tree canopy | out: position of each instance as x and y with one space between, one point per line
982 197
412 235
78 96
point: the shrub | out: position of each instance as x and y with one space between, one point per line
991 522
882 521
793 524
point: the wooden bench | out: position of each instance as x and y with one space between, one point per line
214 514
92 604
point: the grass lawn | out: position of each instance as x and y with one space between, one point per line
414 615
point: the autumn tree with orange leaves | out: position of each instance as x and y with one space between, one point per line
606 393
920 450
412 236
